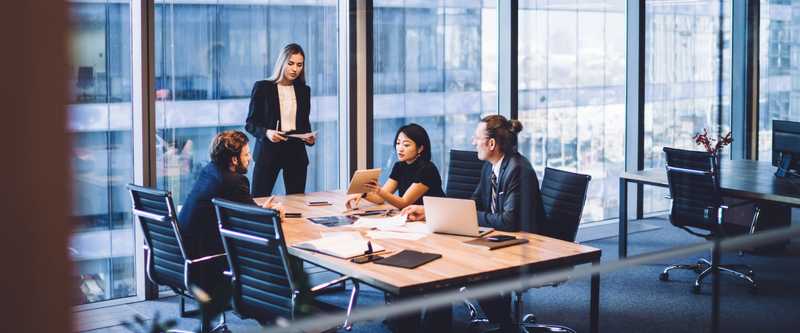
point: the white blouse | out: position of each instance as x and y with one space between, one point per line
288 105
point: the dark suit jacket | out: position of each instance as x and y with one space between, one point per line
198 219
519 205
264 114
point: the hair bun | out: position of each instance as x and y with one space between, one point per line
515 126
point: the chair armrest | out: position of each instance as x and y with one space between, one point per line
206 258
742 203
329 283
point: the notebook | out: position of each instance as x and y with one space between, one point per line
409 259
344 247
489 245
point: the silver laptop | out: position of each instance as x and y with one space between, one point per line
453 216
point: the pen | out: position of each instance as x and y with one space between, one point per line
278 126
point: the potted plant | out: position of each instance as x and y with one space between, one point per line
713 145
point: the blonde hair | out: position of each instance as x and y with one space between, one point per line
288 51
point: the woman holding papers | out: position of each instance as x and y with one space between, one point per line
279 111
413 176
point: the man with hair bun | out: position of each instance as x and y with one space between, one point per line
507 197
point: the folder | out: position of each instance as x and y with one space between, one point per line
409 259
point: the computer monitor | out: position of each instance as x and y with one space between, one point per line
786 147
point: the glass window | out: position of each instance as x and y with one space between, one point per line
100 118
435 64
572 93
209 55
681 80
777 76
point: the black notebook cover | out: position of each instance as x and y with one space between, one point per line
332 221
409 259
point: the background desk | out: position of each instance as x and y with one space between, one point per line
460 265
745 179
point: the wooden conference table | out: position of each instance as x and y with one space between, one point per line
744 179
460 265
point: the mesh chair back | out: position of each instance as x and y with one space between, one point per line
464 173
257 256
166 259
563 198
694 188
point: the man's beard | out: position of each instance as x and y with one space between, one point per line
241 168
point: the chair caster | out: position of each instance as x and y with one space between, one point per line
696 289
663 276
750 273
529 319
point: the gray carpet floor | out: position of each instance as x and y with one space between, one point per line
631 300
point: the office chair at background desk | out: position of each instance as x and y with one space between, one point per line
167 263
697 204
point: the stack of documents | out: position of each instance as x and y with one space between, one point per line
340 245
380 222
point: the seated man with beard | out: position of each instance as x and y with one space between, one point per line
224 177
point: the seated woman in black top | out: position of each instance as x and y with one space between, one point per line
413 176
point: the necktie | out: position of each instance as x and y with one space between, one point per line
494 193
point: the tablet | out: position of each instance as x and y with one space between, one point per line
361 178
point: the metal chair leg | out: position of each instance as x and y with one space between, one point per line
348 325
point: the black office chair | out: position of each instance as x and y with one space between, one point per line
167 263
698 208
563 198
264 285
464 174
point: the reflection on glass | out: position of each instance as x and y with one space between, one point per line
572 93
209 55
777 98
435 64
100 117
681 79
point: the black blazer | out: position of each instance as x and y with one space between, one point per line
264 114
198 220
519 205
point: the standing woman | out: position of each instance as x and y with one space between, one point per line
281 104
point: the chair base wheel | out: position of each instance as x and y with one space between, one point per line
695 289
663 276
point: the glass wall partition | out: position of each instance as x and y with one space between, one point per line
208 56
100 121
435 64
572 93
779 87
682 82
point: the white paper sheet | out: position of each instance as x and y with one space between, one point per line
377 222
410 227
375 234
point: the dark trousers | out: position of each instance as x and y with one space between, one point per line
265 175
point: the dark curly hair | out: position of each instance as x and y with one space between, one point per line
503 131
226 146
